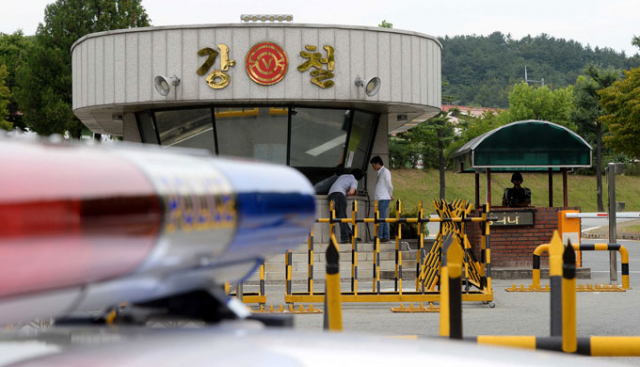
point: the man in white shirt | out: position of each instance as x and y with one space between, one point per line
345 185
384 194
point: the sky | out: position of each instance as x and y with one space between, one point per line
601 23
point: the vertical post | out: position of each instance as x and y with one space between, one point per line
395 283
565 188
445 327
613 231
483 246
289 271
454 265
239 291
399 248
477 191
376 243
489 186
555 278
354 250
550 187
420 245
377 256
262 290
487 226
333 305
310 269
624 262
569 329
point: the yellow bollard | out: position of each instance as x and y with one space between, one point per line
333 305
555 279
569 328
444 301
455 255
354 250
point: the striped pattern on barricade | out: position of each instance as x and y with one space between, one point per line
595 346
453 218
624 259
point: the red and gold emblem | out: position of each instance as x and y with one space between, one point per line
267 63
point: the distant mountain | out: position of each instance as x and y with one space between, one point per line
480 70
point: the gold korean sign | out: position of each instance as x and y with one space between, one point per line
512 218
321 77
218 79
266 63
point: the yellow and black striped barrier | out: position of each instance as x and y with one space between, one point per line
568 342
251 297
624 260
453 217
595 346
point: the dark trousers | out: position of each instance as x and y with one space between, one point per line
340 206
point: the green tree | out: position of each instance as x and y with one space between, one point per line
439 133
621 102
587 112
5 95
12 52
542 103
525 102
44 92
400 155
481 69
385 24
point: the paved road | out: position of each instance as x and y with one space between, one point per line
515 313
590 223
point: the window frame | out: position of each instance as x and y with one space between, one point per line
290 107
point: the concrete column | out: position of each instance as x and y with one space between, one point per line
130 129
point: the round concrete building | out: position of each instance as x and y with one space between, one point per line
320 98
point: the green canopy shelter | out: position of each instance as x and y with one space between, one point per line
526 146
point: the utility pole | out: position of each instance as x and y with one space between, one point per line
527 80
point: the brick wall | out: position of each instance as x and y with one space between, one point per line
513 246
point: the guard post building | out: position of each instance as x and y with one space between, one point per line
320 98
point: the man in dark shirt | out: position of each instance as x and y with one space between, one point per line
517 196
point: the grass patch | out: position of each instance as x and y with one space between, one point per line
411 186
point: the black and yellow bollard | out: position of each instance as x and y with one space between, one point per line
555 279
569 328
332 302
398 273
310 266
354 249
445 327
419 256
376 243
455 255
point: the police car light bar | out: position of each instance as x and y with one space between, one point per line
86 226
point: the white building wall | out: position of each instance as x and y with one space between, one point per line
113 71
